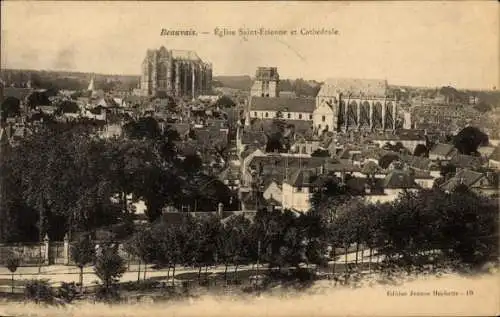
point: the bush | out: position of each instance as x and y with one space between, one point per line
39 291
67 292
107 294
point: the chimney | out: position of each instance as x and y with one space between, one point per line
220 209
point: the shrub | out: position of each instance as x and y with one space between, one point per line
107 294
39 291
67 292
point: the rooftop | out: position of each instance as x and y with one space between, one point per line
283 104
347 86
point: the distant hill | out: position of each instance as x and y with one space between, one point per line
243 82
44 79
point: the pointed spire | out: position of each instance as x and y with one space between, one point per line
91 84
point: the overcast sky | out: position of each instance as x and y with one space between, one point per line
415 43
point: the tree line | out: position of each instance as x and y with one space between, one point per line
428 227
64 179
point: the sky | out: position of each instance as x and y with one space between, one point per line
413 43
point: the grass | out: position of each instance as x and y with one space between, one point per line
321 300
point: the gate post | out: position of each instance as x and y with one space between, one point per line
66 250
46 242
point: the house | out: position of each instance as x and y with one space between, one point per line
467 161
423 179
483 183
297 190
395 183
246 137
285 108
442 152
273 191
182 129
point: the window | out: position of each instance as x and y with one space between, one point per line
323 118
267 114
319 126
300 116
299 189
255 113
310 117
289 115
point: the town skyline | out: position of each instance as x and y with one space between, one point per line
394 41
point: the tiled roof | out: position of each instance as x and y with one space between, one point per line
185 55
253 137
495 155
417 162
346 86
301 178
466 161
398 179
465 177
19 93
282 104
181 128
442 149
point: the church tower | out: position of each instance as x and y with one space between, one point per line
266 82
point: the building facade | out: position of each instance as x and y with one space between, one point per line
178 73
355 104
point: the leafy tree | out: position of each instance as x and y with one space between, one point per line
225 102
421 150
483 107
11 107
320 153
37 98
12 263
68 107
82 253
109 267
469 139
387 159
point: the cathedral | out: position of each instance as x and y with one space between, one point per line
178 73
342 104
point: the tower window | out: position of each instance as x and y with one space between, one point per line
323 119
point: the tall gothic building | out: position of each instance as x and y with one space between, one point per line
178 73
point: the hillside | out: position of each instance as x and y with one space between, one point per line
243 82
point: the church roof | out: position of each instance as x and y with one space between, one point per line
282 104
186 55
357 87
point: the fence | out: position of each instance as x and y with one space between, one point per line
49 253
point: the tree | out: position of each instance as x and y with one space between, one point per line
82 253
483 107
320 153
37 98
469 139
225 102
387 159
68 107
421 150
12 263
109 267
11 107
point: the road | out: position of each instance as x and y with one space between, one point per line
61 273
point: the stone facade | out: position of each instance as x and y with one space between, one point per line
178 73
266 82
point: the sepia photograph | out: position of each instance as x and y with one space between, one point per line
249 158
